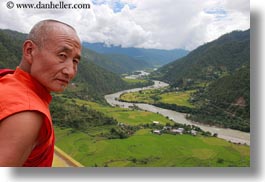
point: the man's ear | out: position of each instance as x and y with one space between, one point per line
28 49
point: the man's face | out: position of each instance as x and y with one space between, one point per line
55 63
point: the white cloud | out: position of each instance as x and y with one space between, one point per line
163 24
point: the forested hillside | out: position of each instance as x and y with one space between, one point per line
10 48
226 101
219 72
115 63
210 61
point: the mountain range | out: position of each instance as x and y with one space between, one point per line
150 57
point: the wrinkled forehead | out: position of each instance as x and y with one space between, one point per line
60 30
54 32
62 42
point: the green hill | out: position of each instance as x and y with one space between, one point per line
115 63
127 64
210 61
219 71
226 102
10 48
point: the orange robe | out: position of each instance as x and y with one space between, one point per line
20 92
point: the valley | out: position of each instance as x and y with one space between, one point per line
100 146
152 126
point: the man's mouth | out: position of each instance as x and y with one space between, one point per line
66 82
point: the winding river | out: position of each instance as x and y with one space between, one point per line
227 134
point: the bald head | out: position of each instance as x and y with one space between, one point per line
42 31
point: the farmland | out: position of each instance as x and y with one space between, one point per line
158 96
143 148
147 149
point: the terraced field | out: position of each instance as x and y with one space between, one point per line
146 149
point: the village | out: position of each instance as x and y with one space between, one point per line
158 128
193 130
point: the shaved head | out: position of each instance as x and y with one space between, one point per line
41 32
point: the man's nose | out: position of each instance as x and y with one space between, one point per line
69 69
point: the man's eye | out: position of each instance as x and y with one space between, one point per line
62 56
76 61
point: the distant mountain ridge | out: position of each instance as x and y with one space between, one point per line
154 57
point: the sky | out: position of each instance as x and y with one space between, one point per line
159 24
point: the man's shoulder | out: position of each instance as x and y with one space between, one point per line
12 91
16 97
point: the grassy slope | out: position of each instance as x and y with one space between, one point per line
127 116
146 149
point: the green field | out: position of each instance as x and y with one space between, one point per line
144 148
127 116
128 80
147 149
152 96
178 98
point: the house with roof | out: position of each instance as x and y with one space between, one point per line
158 132
177 131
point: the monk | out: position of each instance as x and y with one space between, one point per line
50 57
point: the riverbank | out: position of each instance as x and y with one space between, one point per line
234 136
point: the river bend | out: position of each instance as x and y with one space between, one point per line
227 134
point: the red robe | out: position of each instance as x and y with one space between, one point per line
21 92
